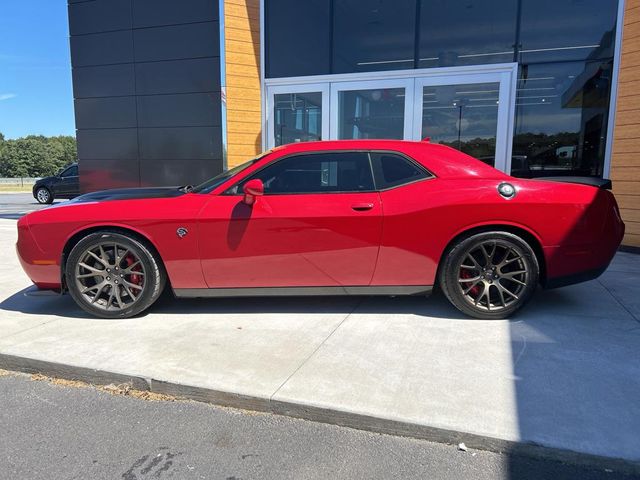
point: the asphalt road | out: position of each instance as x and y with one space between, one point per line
14 205
50 431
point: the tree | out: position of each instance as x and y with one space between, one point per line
36 155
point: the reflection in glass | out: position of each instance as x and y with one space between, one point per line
464 117
375 113
561 119
373 35
296 38
466 32
561 30
297 117
304 38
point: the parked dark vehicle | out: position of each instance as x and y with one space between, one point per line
63 185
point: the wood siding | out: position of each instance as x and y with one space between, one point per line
242 52
625 163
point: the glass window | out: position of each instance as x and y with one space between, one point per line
466 32
373 35
374 113
392 170
222 177
560 30
297 38
69 172
464 117
318 173
561 119
297 117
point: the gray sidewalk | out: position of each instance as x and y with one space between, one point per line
565 373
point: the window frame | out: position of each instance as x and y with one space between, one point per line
234 190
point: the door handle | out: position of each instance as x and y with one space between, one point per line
362 207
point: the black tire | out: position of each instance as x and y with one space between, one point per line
119 248
44 195
481 274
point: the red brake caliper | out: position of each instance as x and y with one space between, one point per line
465 273
133 277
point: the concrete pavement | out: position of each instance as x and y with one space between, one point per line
564 373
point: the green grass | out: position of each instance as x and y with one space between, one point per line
6 188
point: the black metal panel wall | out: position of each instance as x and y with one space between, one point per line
146 83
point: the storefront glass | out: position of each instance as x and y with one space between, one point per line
564 50
561 118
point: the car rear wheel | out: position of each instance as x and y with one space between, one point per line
113 275
490 275
43 195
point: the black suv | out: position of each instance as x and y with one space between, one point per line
63 185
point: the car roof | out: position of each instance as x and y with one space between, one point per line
441 160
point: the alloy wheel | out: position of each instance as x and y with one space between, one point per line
492 275
110 276
43 195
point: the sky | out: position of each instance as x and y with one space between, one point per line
35 69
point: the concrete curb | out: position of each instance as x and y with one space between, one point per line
316 414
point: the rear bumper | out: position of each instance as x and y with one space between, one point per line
571 264
575 278
43 270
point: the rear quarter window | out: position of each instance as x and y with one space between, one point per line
393 170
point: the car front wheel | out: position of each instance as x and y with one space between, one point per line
43 195
113 275
489 275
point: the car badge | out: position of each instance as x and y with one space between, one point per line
181 232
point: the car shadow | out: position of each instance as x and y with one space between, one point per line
35 302
32 301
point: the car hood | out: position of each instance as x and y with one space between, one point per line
44 180
129 194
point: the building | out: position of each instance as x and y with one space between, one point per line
172 92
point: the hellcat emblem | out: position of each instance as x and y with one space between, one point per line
181 232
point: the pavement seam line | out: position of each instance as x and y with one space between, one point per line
619 302
315 350
29 328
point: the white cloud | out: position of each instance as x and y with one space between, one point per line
7 96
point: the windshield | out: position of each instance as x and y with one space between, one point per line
218 180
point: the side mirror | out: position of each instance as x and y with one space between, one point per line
252 189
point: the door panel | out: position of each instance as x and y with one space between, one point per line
411 239
68 186
67 183
291 240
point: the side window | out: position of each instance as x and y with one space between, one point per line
318 173
70 172
392 170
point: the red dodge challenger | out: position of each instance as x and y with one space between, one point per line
364 217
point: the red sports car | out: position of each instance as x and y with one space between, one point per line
367 217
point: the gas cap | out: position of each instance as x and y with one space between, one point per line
507 190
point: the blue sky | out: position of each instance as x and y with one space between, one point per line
35 69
